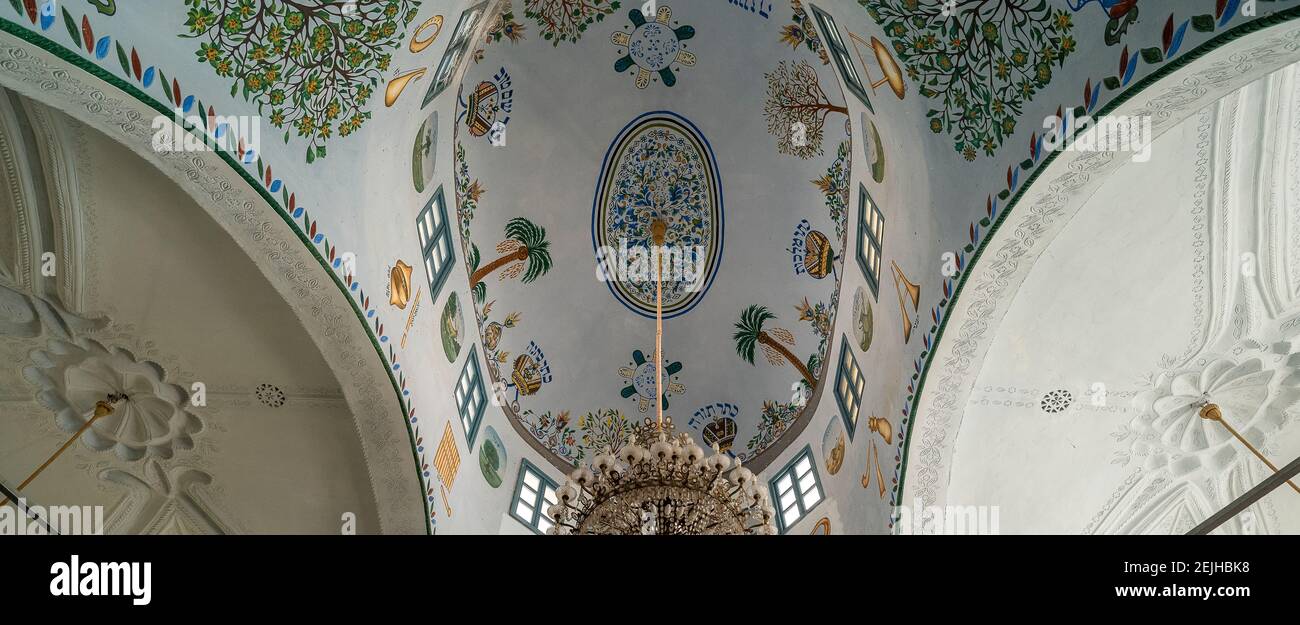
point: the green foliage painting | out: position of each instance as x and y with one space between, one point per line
566 20
310 65
981 61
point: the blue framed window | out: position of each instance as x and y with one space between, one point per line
435 242
796 489
830 36
457 46
849 384
471 399
534 495
871 239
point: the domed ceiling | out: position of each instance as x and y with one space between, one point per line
575 135
564 136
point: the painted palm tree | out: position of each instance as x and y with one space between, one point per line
750 333
525 250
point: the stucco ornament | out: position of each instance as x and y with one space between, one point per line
1170 431
23 315
72 376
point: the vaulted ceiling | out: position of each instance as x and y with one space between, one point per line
233 423
879 257
1197 261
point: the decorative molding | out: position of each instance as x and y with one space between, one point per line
74 375
163 501
1043 209
253 221
62 202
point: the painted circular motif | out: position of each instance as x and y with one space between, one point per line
453 327
833 447
423 153
492 457
653 46
659 169
874 149
644 379
863 325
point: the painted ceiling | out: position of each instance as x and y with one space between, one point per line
644 119
562 132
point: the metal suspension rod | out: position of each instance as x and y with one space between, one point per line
1211 412
103 408
1249 498
658 231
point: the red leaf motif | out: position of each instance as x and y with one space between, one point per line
87 33
135 63
176 92
1167 37
1123 62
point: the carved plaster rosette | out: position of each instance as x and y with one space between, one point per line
1170 432
72 376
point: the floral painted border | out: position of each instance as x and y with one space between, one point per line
979 231
89 52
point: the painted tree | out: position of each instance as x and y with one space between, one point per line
525 251
750 334
797 108
566 20
308 66
982 61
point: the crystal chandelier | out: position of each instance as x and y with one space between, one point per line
658 484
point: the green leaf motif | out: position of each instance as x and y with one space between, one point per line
982 64
315 64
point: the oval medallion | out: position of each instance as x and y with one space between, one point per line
660 168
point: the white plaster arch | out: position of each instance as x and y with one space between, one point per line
294 270
1042 210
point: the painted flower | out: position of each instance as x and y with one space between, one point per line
990 32
153 420
1044 73
793 35
200 19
